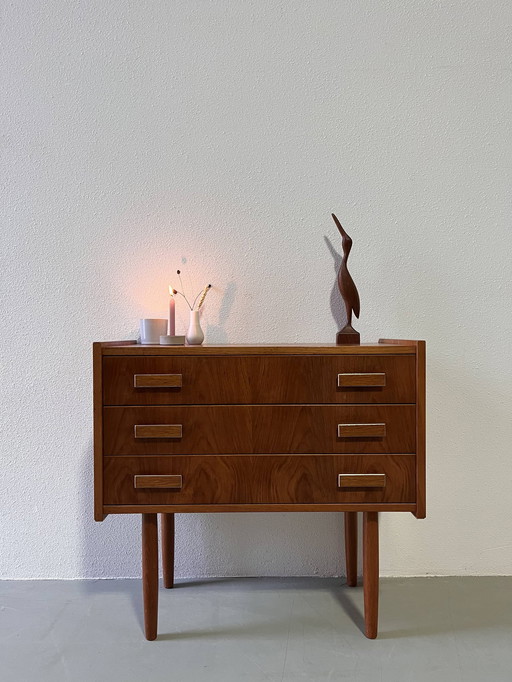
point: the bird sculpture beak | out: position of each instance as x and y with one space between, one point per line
338 225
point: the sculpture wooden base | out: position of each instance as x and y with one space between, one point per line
348 337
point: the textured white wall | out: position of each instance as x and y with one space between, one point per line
139 137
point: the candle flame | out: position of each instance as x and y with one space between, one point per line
172 291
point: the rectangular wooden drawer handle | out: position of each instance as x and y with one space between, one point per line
361 430
363 379
361 480
157 380
158 430
173 481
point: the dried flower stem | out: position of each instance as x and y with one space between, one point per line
178 272
202 293
186 299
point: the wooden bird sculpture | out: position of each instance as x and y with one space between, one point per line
347 335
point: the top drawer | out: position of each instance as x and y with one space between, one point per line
175 380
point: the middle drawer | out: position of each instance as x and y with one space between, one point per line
259 429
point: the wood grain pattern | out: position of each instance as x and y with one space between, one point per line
279 479
136 349
421 471
262 429
361 430
116 344
158 431
371 572
251 508
351 547
262 379
99 514
168 532
361 480
97 364
361 379
157 380
150 574
173 481
420 346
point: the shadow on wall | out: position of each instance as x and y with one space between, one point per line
217 332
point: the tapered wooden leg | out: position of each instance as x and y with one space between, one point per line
167 523
351 547
150 574
371 572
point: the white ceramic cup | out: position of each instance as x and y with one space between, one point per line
151 329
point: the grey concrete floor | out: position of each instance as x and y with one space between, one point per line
257 630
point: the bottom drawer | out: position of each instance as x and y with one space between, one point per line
259 479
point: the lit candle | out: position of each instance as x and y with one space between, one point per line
172 313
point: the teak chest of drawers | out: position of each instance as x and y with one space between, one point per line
259 428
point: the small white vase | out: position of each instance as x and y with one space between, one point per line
194 336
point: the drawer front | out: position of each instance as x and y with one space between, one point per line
326 479
177 380
259 429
